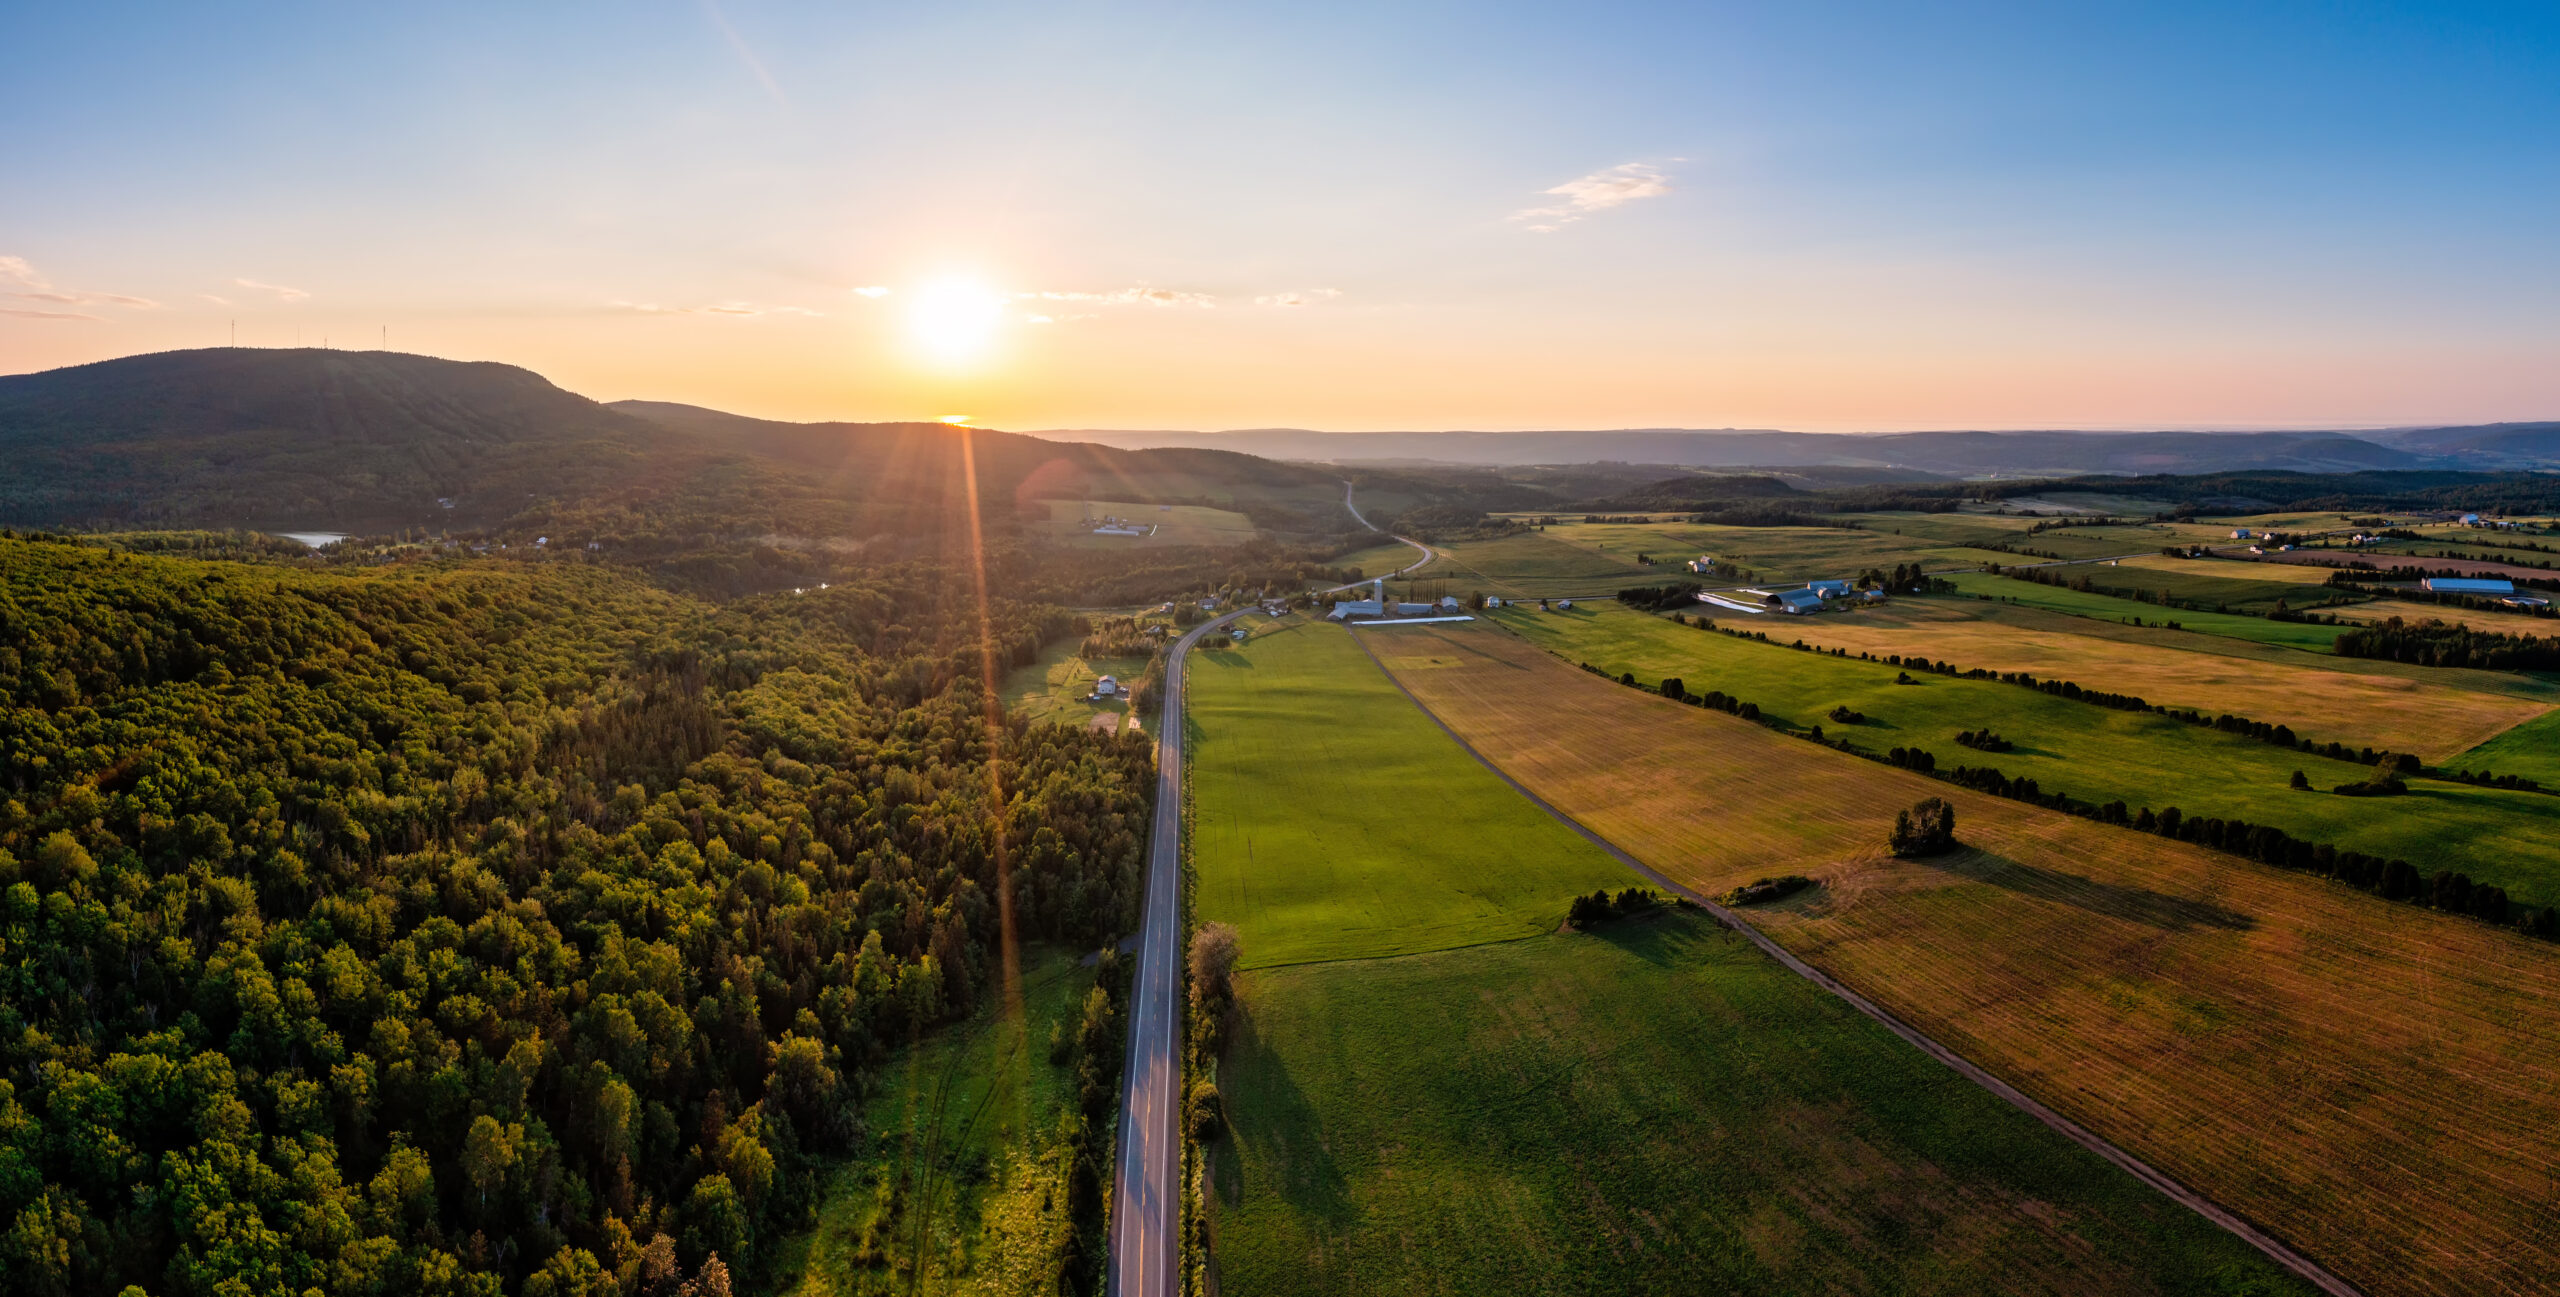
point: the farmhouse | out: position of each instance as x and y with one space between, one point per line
2470 585
1106 687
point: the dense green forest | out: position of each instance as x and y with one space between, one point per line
477 926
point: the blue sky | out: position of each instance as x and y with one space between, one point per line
1804 215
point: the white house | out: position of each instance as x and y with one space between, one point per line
1106 687
1702 564
1448 603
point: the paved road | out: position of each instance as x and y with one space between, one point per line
2275 1249
1146 1211
1146 1202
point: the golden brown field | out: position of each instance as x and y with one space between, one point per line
2372 1082
2355 707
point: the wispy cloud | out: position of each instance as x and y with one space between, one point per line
745 52
1141 295
1597 192
282 293
718 310
872 290
19 281
1300 297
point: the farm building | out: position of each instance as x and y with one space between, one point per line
1702 564
1237 634
2470 520
1493 601
1350 608
1564 605
1828 589
2525 601
1797 601
2241 533
2470 585
1448 603
1106 687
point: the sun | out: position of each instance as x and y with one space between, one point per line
954 322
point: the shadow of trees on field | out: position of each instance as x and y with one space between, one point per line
1271 1118
2141 905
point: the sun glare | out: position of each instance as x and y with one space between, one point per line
954 322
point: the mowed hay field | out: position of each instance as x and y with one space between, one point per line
1654 1107
2318 701
2374 1083
1332 820
2089 604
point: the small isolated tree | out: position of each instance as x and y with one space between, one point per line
1214 950
2301 780
1925 830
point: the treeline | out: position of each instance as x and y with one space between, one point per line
495 928
2441 644
2392 879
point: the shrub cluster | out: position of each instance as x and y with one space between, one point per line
1983 740
1765 889
1927 829
1600 906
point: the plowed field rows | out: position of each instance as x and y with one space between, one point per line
2375 1083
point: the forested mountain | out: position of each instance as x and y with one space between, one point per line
478 927
313 439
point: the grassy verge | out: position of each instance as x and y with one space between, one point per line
1652 1108
2371 1082
2095 754
1333 820
962 1189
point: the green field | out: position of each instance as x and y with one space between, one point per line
1378 560
1782 554
1333 820
955 1192
1653 1108
1536 565
2259 630
2531 750
2095 754
1073 521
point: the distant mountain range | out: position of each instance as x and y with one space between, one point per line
2485 447
315 439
